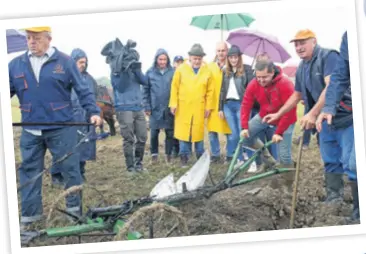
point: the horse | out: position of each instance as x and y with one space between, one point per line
107 112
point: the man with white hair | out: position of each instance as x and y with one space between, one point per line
43 78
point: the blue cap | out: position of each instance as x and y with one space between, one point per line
178 58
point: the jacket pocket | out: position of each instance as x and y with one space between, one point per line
20 82
25 109
61 111
59 105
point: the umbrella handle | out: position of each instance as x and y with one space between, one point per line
256 53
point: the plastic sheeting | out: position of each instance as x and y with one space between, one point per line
194 178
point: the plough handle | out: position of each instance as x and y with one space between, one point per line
230 175
52 124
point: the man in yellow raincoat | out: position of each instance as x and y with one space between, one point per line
191 101
215 124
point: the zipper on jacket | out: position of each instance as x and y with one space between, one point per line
32 71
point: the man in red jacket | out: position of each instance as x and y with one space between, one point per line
271 89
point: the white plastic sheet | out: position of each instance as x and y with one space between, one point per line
194 178
165 187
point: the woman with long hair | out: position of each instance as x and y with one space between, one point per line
236 77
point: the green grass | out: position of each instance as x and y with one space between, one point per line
15 111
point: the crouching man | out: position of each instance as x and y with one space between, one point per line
271 90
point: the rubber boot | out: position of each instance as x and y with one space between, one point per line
184 161
168 158
129 162
268 160
139 156
355 217
154 159
334 185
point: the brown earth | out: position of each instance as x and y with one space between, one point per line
257 206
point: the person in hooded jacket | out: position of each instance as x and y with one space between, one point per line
271 90
87 151
156 96
236 77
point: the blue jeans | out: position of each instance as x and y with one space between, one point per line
33 149
232 115
264 136
185 148
285 152
214 144
337 149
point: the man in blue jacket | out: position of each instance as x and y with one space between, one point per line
87 151
156 100
42 78
312 78
127 80
337 112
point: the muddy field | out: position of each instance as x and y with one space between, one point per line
258 206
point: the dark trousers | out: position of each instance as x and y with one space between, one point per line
154 141
175 150
33 148
133 127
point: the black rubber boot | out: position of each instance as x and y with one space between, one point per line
129 159
139 156
334 185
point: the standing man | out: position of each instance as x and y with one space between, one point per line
156 100
43 79
178 60
312 78
87 151
127 80
215 124
191 101
337 112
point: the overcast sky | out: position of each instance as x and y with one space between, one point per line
173 33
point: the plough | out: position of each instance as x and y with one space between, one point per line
112 219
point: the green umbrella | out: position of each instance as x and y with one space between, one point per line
225 22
